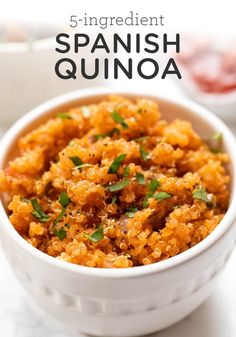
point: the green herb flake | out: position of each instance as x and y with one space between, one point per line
217 136
64 115
215 150
61 234
126 172
116 164
130 211
76 160
145 202
38 213
79 163
200 194
114 199
107 134
119 119
215 142
64 199
143 153
97 235
60 216
140 178
118 186
161 196
154 184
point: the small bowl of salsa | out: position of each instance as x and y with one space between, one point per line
209 73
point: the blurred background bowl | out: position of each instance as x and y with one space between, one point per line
208 67
27 73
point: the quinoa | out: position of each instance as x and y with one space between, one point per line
112 185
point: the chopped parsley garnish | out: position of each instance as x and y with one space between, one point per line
107 134
161 196
64 115
114 199
118 186
119 119
215 142
215 150
60 216
61 234
145 202
126 172
116 164
38 213
154 184
140 177
201 194
217 136
143 153
76 160
97 235
79 163
64 200
130 211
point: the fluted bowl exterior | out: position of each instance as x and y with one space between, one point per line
121 302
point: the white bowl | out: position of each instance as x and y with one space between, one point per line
28 77
221 104
121 302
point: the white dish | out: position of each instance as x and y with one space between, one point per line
28 77
121 302
223 105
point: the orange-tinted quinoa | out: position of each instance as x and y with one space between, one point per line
113 185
